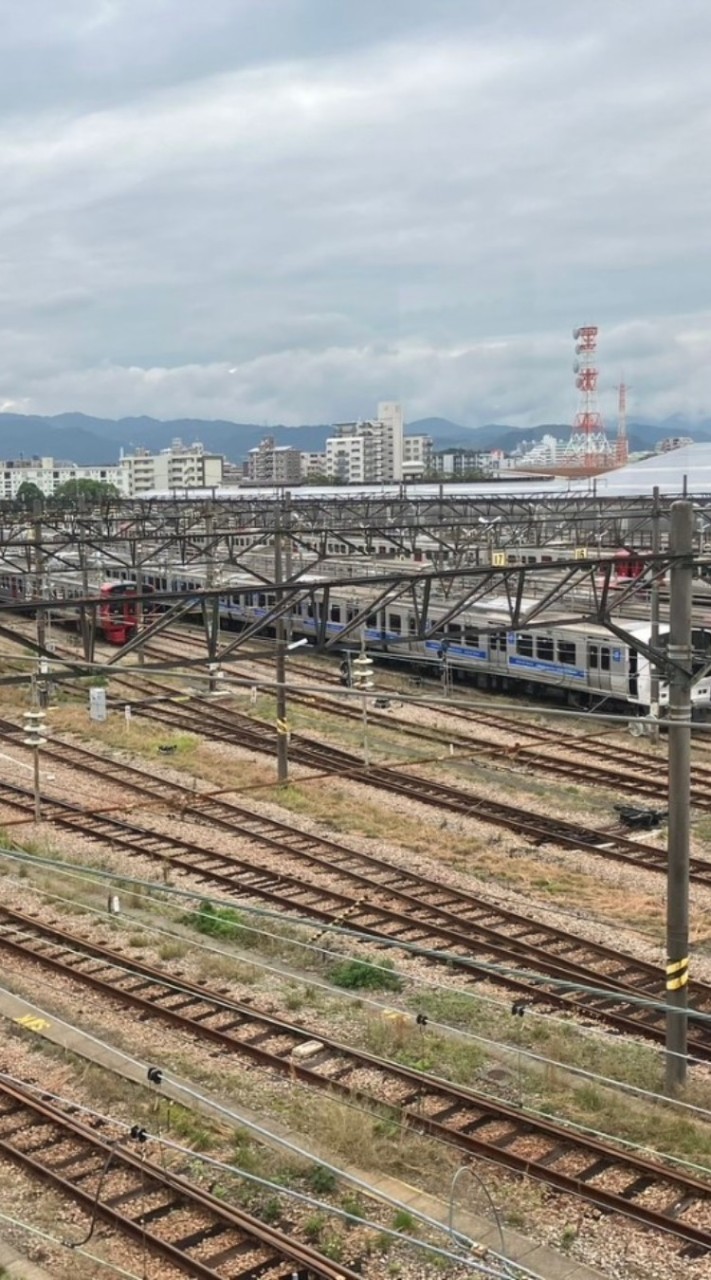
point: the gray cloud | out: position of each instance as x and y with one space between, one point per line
345 203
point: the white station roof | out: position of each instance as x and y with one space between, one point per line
636 479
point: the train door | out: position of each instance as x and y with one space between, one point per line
600 664
633 676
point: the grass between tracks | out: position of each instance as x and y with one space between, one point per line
499 1069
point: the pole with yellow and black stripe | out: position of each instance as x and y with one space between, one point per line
681 534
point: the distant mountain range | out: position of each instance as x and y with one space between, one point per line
87 440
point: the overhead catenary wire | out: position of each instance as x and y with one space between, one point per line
500 1047
493 969
276 1188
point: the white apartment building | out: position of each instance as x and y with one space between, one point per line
349 455
370 451
49 473
416 456
313 465
179 467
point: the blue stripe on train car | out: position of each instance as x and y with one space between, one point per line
457 650
548 668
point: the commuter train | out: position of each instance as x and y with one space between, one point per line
577 662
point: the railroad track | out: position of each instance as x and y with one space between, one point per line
237 729
643 775
649 1192
324 881
163 1211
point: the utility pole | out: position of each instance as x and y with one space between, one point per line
282 724
42 684
677 967
654 617
138 579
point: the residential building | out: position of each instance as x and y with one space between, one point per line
273 464
49 473
179 467
416 457
350 454
313 466
368 451
454 463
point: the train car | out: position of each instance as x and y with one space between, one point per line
118 611
580 663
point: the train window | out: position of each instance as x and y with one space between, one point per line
395 622
454 630
335 613
261 600
593 657
566 652
524 646
271 600
544 648
471 636
372 620
350 615
498 642
605 657
411 623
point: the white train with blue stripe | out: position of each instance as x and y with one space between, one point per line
578 662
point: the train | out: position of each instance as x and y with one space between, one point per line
580 663
117 614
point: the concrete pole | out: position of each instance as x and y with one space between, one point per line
42 684
36 781
677 968
282 727
654 615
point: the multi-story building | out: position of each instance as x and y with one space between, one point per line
49 473
179 467
416 457
370 451
351 454
269 463
313 466
454 463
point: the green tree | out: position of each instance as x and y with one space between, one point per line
94 490
28 493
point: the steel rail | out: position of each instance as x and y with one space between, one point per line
474 937
236 728
460 1116
132 1193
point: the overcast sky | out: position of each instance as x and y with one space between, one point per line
285 210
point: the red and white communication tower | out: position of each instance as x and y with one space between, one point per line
588 449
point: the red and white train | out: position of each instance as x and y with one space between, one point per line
117 613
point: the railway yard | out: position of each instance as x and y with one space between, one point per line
438 944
